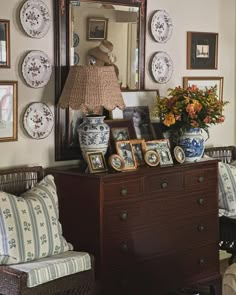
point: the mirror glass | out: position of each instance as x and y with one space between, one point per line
81 31
92 23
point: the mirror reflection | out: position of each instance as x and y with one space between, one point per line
107 34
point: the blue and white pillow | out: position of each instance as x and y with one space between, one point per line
227 190
29 225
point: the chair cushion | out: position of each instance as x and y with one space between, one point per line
29 226
227 190
50 268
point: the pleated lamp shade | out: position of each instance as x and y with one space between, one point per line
90 88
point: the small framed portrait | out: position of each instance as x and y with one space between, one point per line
116 162
141 120
97 28
125 151
138 146
202 50
96 162
165 156
151 158
4 43
179 154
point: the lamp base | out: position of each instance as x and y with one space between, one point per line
94 135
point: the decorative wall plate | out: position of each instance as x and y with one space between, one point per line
36 69
161 67
76 58
38 120
75 39
161 26
35 18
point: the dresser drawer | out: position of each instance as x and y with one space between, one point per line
123 190
165 183
156 238
157 273
205 178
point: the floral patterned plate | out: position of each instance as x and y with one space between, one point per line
38 120
36 69
161 26
161 67
35 18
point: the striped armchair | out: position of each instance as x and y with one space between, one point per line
63 273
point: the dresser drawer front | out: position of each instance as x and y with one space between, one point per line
123 190
164 183
199 179
156 239
158 273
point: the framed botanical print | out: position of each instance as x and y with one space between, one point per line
4 43
202 50
8 110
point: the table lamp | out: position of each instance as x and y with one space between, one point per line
92 88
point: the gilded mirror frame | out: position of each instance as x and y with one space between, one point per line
63 151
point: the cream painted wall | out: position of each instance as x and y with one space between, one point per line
27 151
200 16
187 15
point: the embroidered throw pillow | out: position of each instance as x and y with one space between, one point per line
227 190
29 225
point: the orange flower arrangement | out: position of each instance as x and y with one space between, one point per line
189 108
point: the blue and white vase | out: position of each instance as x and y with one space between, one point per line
93 135
193 144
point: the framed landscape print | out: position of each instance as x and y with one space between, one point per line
202 50
96 28
205 82
8 110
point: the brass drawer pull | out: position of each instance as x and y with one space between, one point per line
123 215
124 248
201 227
124 192
164 185
201 201
201 261
201 178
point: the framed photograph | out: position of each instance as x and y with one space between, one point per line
97 28
202 50
8 110
156 144
179 154
96 162
125 150
4 43
162 148
157 130
138 146
205 82
151 158
141 120
116 162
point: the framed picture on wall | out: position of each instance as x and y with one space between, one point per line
8 110
4 43
202 50
205 82
97 28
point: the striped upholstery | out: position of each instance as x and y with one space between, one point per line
29 226
50 268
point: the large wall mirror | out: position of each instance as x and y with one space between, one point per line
80 28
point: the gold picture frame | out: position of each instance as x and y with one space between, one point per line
206 82
8 110
97 28
125 151
96 162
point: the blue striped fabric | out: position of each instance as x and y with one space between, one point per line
29 226
47 269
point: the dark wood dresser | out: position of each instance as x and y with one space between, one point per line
151 231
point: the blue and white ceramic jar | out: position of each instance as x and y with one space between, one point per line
93 134
193 144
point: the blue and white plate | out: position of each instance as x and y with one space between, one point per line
76 58
161 26
161 67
